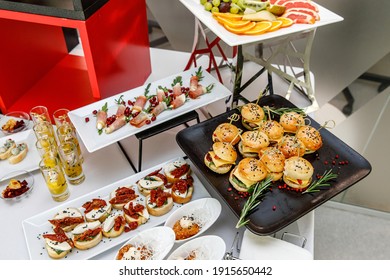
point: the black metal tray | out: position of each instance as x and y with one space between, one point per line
279 207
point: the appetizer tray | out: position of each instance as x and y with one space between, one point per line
327 17
279 207
30 162
93 141
37 225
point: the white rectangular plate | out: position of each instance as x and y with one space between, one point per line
93 141
30 162
35 226
326 17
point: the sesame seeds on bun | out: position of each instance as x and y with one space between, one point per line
310 137
291 121
226 132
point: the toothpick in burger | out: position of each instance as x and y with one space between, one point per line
310 137
252 116
252 142
274 131
222 157
298 173
247 173
291 146
226 132
291 121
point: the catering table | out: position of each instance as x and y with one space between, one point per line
109 165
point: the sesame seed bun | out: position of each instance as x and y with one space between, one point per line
291 121
251 114
310 137
226 132
253 169
274 160
291 146
273 130
225 151
297 172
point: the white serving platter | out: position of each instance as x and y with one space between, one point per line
93 141
208 247
35 226
326 17
159 239
30 162
205 210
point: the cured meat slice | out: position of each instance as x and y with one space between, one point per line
193 94
140 119
139 103
118 123
176 90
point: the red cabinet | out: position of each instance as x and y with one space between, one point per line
37 69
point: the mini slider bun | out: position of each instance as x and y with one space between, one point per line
114 225
291 146
159 202
297 172
273 129
248 172
67 219
310 137
252 142
291 121
58 244
274 160
182 190
221 158
226 132
179 169
135 212
87 235
252 116
96 210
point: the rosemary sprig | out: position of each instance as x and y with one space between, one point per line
253 201
322 182
281 111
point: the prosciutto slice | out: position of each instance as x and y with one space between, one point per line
162 106
160 95
194 81
176 90
121 110
193 94
140 119
118 123
139 104
101 118
178 101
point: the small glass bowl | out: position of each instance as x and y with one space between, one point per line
19 175
18 116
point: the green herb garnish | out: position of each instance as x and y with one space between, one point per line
179 80
253 200
322 182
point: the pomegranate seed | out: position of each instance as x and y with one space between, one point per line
148 121
130 103
94 112
153 118
86 119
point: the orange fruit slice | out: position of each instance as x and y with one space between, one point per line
228 16
286 21
276 24
240 30
259 28
232 23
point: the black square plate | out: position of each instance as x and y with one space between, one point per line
279 207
